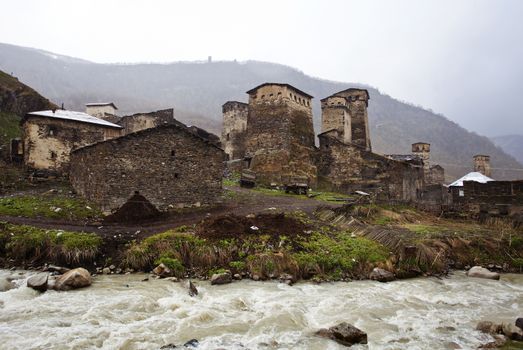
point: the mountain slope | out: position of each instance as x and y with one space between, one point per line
16 99
202 87
511 144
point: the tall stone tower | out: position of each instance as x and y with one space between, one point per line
482 164
234 129
280 134
358 102
335 115
422 150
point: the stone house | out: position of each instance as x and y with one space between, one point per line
170 165
102 110
142 121
49 136
347 167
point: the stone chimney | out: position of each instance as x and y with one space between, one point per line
482 164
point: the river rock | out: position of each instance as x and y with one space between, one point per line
481 272
168 346
519 323
38 282
193 343
345 334
287 278
162 271
512 332
5 285
193 291
61 270
74 279
221 278
489 327
106 271
381 275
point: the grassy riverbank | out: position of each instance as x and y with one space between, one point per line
331 244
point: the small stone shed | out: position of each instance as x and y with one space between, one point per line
169 165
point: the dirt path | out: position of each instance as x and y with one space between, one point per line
239 201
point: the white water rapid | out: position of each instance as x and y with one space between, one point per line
122 312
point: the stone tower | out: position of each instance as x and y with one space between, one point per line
280 134
482 164
358 102
422 150
335 116
234 128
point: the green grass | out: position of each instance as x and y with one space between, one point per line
9 126
327 253
230 182
49 207
21 242
424 229
319 196
172 263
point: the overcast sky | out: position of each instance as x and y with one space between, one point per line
463 59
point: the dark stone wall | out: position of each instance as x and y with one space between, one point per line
141 121
280 140
168 165
347 168
491 199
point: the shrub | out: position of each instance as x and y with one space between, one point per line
173 264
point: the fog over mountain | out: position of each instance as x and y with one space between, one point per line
511 144
197 91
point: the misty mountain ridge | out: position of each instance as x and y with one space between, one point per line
197 90
511 144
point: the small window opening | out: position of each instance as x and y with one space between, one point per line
271 95
176 175
136 192
228 137
53 155
173 152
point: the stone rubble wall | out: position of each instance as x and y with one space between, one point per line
167 165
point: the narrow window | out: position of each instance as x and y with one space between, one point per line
173 153
53 155
176 175
228 137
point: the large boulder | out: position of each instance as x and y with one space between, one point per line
345 334
74 279
519 322
38 282
162 271
381 275
481 272
221 278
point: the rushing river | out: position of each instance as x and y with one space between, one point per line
122 312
